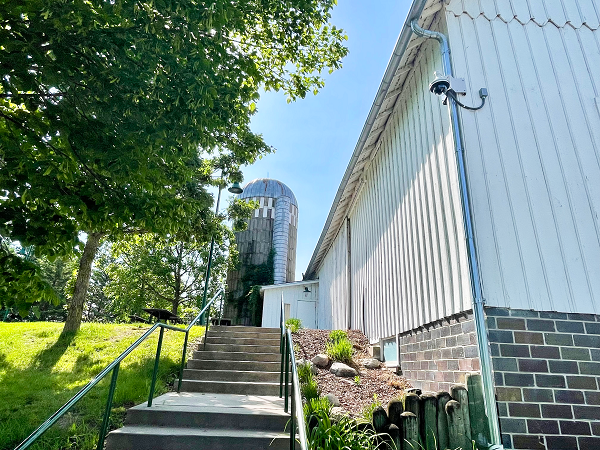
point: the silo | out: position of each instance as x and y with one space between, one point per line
274 226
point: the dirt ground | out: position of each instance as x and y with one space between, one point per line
353 396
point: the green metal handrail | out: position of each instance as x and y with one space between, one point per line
288 362
114 367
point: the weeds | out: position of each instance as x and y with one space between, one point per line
341 350
293 324
338 335
367 412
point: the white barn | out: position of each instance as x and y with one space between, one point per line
411 246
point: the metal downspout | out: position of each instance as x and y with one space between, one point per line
480 326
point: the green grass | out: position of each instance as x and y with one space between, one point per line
39 373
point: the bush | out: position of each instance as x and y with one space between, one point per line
308 384
338 335
293 324
310 390
305 372
344 434
367 412
341 350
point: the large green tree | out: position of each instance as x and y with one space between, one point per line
114 114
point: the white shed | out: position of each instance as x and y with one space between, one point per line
300 299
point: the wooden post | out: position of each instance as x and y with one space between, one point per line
457 432
480 431
459 393
395 441
429 422
412 404
410 431
380 420
442 422
395 408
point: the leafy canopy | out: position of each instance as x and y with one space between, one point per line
114 114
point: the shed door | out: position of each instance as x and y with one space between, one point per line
307 313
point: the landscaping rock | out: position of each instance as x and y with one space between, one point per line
338 413
321 360
333 399
342 370
371 363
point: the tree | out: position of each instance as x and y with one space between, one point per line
113 115
150 271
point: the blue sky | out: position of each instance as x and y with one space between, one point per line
315 137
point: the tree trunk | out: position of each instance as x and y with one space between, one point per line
82 283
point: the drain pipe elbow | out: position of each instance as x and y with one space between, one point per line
478 312
441 38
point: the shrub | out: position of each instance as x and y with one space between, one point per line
341 350
305 372
338 335
344 434
293 324
310 390
367 412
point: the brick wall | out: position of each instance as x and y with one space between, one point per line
547 377
440 354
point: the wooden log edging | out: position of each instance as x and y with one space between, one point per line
442 421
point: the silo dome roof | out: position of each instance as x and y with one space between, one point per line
267 187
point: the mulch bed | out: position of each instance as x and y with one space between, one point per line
353 397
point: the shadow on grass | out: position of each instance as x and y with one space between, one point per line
32 395
48 357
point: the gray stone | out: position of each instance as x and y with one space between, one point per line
337 413
321 361
371 363
333 399
342 370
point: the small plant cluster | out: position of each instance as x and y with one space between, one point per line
308 383
339 347
293 324
343 433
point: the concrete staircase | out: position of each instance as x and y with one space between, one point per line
229 399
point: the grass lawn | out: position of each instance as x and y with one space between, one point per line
39 373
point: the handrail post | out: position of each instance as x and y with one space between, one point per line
109 401
206 327
287 367
292 427
156 361
281 344
185 342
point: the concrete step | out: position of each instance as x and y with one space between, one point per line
146 437
243 334
231 375
230 387
218 418
238 329
207 364
239 348
211 339
236 356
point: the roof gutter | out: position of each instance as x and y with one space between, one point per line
392 67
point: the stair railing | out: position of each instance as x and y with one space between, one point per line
288 365
114 368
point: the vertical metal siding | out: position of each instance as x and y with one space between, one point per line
533 156
332 308
408 258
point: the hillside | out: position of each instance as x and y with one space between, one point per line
38 374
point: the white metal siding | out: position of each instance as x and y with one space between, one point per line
408 255
533 156
333 299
